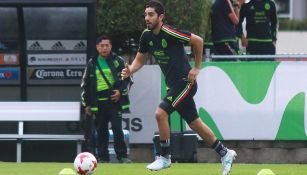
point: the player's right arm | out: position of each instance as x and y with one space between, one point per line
233 13
137 63
139 59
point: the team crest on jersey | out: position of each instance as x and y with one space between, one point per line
267 6
164 43
150 43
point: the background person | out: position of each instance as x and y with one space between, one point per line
106 94
261 27
225 17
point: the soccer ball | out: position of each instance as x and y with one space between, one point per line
85 163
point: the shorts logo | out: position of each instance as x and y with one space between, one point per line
170 98
164 43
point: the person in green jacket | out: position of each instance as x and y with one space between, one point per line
106 94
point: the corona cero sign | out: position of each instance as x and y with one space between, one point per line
54 75
50 73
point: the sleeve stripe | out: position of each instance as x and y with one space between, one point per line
176 33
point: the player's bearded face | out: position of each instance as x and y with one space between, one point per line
153 24
152 19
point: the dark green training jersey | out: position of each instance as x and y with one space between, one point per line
168 49
261 20
223 29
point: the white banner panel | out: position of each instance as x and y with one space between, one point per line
145 96
239 101
279 113
56 59
48 111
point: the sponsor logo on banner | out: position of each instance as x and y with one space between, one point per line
57 45
35 46
80 46
9 73
55 73
9 59
56 59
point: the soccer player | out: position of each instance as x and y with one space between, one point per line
166 44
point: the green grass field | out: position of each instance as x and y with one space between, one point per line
139 169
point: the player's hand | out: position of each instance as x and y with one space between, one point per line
193 75
88 111
116 95
126 72
274 43
236 3
244 41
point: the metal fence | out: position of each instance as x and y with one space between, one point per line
227 58
278 57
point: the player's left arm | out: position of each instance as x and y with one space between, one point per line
197 45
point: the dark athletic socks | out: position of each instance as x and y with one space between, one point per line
219 148
165 148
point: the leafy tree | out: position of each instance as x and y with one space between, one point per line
123 19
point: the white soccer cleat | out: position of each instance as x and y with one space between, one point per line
159 164
227 161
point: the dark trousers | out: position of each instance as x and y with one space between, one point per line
261 48
226 48
109 111
89 134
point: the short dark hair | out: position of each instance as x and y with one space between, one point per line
103 37
157 5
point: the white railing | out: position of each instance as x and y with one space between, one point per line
278 57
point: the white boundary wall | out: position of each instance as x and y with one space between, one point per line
291 42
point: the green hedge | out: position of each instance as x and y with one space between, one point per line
123 19
292 25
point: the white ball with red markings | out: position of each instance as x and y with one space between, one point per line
85 163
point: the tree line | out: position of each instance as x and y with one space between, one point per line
123 20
